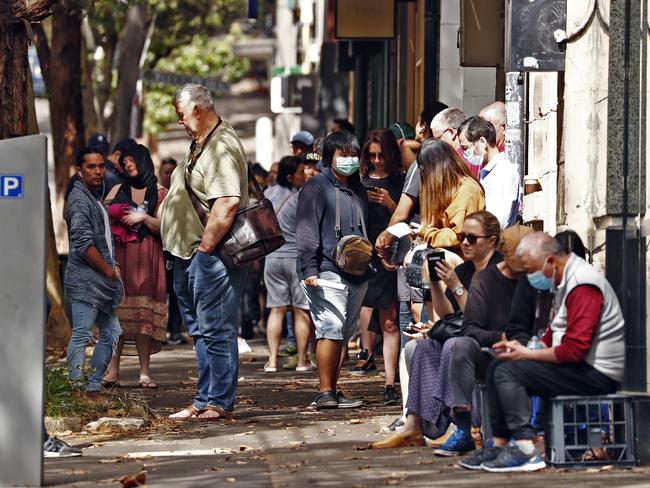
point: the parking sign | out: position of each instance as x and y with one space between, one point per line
11 186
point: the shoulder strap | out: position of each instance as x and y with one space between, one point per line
337 225
277 213
337 222
195 203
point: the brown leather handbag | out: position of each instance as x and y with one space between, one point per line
255 231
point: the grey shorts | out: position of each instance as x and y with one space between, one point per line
282 284
335 312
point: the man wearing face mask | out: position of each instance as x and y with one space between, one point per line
499 177
583 353
335 296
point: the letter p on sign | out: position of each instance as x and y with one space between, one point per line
11 186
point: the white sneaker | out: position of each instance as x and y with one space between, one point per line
243 346
55 447
268 369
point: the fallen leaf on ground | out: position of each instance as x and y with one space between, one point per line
243 448
133 481
250 432
110 461
120 412
230 480
356 421
356 458
215 468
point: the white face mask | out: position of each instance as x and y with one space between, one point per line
471 158
347 165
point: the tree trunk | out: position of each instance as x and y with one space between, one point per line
66 102
19 119
14 69
131 46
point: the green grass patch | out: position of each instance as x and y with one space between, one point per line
64 398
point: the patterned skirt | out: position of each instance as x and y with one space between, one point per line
430 394
144 307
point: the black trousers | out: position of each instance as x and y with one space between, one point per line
510 383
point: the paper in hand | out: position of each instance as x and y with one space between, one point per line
400 229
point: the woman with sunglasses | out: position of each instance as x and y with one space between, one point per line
383 178
443 376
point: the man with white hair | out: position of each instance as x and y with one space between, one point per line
208 291
583 353
495 113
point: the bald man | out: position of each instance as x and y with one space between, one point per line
495 113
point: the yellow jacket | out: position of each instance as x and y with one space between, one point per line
468 199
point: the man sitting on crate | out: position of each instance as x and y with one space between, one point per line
583 353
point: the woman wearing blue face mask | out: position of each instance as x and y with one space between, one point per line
332 205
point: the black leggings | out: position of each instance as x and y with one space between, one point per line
510 383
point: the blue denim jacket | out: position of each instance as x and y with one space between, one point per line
83 283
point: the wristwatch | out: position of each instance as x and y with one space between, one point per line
459 290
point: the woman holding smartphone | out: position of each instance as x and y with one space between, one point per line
383 178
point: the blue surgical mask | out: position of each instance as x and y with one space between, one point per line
471 158
539 280
347 165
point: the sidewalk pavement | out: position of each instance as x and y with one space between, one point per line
277 441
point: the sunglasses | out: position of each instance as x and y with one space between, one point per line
374 155
471 238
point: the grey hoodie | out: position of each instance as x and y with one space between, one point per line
83 283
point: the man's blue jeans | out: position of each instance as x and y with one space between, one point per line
84 316
208 295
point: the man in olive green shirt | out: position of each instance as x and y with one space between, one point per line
208 291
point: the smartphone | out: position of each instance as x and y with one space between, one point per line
372 188
433 259
490 351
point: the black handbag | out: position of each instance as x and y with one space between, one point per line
447 327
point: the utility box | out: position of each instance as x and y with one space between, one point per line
480 37
23 241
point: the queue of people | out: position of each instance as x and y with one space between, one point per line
413 235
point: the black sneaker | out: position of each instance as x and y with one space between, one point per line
344 402
394 425
512 459
364 367
325 400
474 461
390 395
55 447
176 340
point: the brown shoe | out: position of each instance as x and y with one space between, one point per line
398 440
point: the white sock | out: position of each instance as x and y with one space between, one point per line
526 448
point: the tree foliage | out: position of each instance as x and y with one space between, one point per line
204 57
188 38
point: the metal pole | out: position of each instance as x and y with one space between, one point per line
515 133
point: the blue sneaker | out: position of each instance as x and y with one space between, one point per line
459 443
511 459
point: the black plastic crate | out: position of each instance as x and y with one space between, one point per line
585 431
